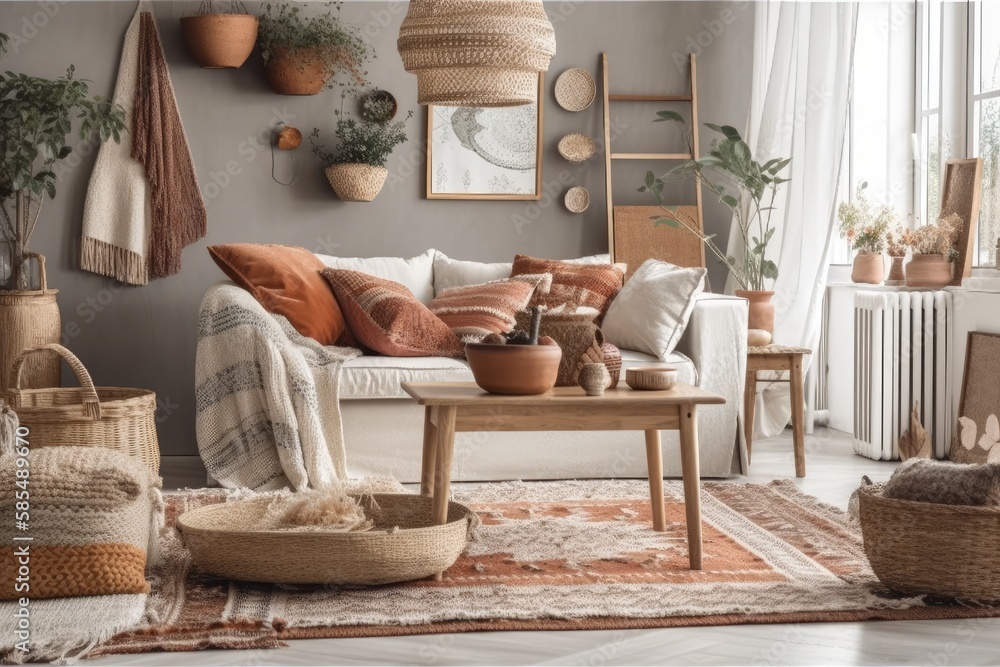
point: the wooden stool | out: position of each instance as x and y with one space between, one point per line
778 358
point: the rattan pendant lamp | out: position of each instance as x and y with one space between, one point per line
476 53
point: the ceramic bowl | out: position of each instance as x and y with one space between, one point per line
514 369
651 378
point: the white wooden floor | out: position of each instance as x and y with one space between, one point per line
833 473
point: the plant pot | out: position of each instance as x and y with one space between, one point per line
761 309
356 182
896 275
928 272
869 268
514 369
29 319
297 71
218 41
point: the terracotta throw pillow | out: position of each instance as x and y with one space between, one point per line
386 318
475 311
286 280
574 283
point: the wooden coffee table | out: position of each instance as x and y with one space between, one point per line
463 406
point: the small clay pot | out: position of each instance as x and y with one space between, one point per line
289 138
869 268
297 71
514 369
761 309
928 272
896 275
595 378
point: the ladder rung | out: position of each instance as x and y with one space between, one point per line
650 98
650 156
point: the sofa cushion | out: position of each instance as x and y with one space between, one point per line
385 317
371 377
417 273
574 282
450 273
286 281
475 311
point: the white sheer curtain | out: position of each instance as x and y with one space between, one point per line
803 57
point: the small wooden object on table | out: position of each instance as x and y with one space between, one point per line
462 406
778 358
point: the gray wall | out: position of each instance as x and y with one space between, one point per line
145 337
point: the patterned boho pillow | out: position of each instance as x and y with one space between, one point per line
475 311
574 283
386 318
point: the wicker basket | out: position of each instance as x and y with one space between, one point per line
927 548
87 416
28 319
356 182
577 199
577 147
575 89
226 541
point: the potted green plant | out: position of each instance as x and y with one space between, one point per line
866 227
933 247
220 39
356 171
303 54
751 200
36 119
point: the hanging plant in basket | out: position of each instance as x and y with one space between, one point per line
303 55
356 170
220 39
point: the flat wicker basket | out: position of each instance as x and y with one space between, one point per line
931 549
114 417
227 541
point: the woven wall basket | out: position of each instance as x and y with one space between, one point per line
926 548
86 416
356 182
227 541
476 53
29 319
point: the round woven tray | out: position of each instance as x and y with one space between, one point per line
227 541
577 199
575 89
577 147
932 549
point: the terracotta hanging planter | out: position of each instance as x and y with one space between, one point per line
220 41
928 272
297 71
356 182
869 268
761 309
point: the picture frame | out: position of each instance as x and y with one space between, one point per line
464 162
977 436
960 194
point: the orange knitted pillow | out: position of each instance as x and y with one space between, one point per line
574 283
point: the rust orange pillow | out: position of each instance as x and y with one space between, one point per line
475 311
574 283
286 280
386 318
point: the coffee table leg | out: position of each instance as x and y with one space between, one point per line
654 466
430 454
442 469
692 482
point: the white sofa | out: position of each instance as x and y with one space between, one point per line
383 428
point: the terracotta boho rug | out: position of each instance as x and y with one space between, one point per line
562 555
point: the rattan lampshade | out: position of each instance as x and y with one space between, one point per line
476 53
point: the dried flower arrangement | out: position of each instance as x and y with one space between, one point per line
895 242
864 225
935 239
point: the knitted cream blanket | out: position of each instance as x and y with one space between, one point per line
268 401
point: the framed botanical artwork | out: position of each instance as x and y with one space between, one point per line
978 437
962 179
485 152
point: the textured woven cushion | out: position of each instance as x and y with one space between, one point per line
474 311
92 515
416 273
652 310
286 280
386 318
574 283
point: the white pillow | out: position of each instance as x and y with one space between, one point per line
652 310
417 273
449 273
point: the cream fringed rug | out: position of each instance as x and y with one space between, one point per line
562 555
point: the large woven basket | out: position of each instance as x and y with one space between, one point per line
87 416
227 541
928 548
356 182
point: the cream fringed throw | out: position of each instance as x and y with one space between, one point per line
141 211
268 401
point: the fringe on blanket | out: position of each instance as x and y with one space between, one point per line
109 260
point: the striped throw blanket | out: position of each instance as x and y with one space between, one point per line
268 402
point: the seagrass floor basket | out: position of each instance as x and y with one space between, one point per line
118 418
931 549
234 541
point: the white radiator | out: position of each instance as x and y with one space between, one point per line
902 354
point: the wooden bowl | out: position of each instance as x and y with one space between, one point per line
514 369
651 378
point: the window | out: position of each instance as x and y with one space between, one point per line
985 110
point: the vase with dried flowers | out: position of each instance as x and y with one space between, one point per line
933 249
866 227
896 248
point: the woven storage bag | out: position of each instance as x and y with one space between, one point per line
94 520
87 416
932 549
356 182
226 541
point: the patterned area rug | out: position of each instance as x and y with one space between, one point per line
562 555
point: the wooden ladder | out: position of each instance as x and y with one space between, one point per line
641 214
